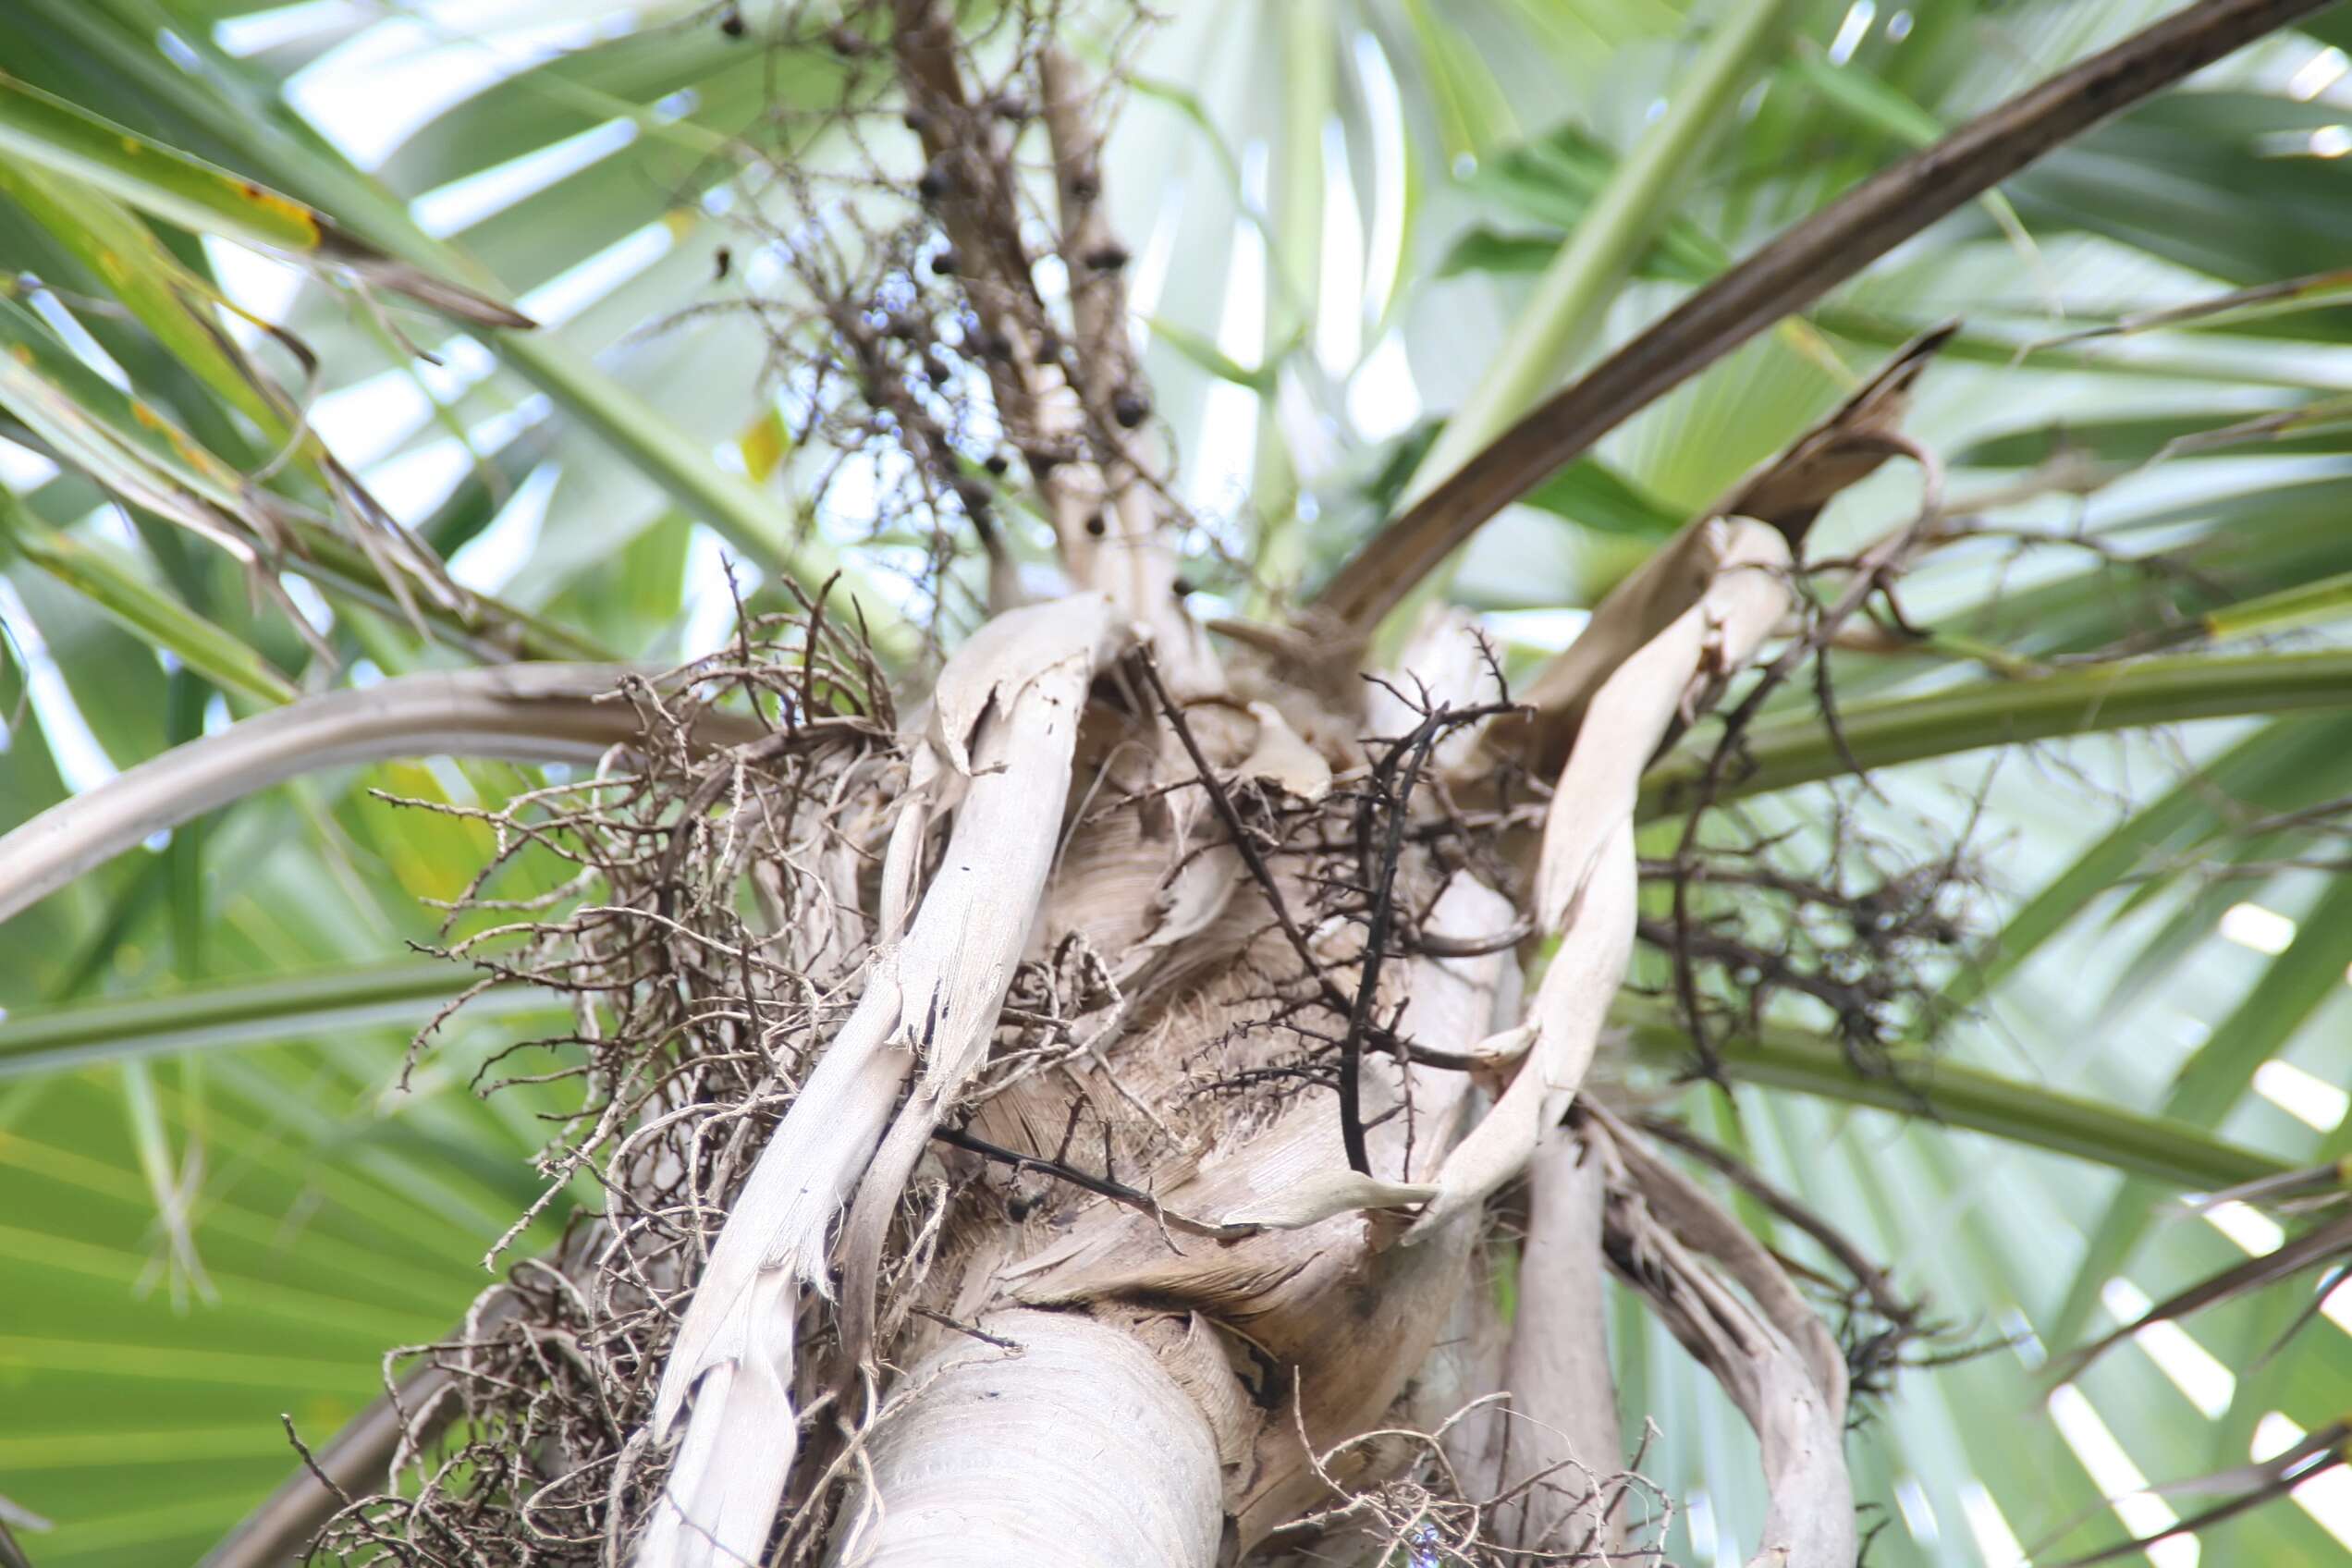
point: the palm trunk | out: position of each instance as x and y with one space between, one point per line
1069 1445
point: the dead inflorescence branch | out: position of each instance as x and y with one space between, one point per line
1354 848
1878 1324
929 258
698 911
1427 1515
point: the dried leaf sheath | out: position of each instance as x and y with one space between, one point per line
1563 1394
1584 878
1011 701
1771 1354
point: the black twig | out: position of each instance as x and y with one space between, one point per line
1380 877
1102 1186
1245 841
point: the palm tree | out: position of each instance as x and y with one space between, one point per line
934 650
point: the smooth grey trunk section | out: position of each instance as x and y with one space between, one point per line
1078 1450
